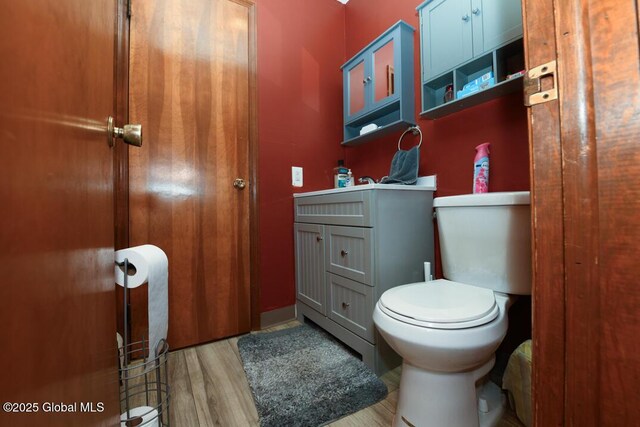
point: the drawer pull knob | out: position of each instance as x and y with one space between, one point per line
318 238
345 305
344 253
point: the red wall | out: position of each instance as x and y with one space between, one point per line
300 50
449 143
301 45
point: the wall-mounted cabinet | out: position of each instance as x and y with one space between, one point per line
378 86
463 41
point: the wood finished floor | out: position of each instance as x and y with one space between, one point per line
209 388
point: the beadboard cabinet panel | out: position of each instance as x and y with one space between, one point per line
360 262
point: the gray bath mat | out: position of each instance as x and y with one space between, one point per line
302 377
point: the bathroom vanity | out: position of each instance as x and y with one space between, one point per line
351 245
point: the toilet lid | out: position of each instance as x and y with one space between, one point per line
442 304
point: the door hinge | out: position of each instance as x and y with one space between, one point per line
533 93
128 8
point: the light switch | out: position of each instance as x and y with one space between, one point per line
296 176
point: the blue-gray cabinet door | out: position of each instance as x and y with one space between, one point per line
357 84
310 287
446 36
495 22
385 70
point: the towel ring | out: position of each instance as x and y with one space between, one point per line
414 130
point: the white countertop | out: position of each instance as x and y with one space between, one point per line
425 183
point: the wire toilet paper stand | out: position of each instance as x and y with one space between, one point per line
144 378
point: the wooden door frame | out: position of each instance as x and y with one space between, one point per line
566 226
121 151
254 225
548 330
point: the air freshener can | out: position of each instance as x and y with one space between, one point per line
481 169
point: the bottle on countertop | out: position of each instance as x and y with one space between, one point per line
349 182
340 175
481 169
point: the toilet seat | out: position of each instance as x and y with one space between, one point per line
440 304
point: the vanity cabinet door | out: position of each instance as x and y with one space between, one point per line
446 35
495 22
309 244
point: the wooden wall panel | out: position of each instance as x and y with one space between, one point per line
189 87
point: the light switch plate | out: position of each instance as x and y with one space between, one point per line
296 176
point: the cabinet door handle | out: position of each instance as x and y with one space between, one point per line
476 11
345 305
465 18
344 252
318 238
368 78
364 81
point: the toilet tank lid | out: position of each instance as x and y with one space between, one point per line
484 199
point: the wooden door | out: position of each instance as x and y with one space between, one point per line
190 87
586 227
57 288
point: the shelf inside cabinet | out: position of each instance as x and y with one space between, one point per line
388 118
503 62
394 126
456 105
433 91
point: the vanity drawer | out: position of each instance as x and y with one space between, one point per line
350 253
351 305
350 208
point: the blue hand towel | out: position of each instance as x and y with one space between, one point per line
404 167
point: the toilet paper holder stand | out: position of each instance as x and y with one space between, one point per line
144 386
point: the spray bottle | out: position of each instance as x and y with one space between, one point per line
481 169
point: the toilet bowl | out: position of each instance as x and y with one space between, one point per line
447 330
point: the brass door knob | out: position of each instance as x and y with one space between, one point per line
239 183
130 134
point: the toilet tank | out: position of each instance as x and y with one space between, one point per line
485 240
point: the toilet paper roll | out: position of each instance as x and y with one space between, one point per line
152 267
148 415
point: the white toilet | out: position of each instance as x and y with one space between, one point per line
447 331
